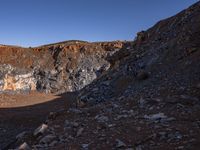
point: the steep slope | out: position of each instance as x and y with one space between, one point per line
168 53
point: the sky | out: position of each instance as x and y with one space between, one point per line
38 22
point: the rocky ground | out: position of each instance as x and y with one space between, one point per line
144 95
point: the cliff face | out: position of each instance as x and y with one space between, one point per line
66 66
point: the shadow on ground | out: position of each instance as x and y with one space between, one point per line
16 120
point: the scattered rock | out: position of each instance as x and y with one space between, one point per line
79 132
85 146
75 124
101 118
74 110
24 146
142 102
40 130
120 144
53 143
47 139
154 117
142 75
158 117
21 135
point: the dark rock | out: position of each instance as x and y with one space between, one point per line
142 75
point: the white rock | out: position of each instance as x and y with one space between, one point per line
24 146
120 144
40 130
159 117
154 117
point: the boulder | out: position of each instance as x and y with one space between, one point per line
40 130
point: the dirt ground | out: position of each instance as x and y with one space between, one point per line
24 112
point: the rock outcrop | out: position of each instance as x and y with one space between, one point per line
16 81
56 68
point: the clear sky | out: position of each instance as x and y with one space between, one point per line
38 22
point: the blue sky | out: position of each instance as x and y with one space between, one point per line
38 22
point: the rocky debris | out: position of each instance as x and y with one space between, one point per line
74 110
153 59
21 135
47 139
52 144
53 115
24 146
134 128
79 132
158 117
101 118
40 130
120 144
142 75
84 146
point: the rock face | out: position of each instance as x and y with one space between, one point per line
11 81
19 82
67 66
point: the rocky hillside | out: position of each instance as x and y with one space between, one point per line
166 54
144 95
61 67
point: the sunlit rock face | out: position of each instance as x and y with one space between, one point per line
56 68
24 82
11 80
